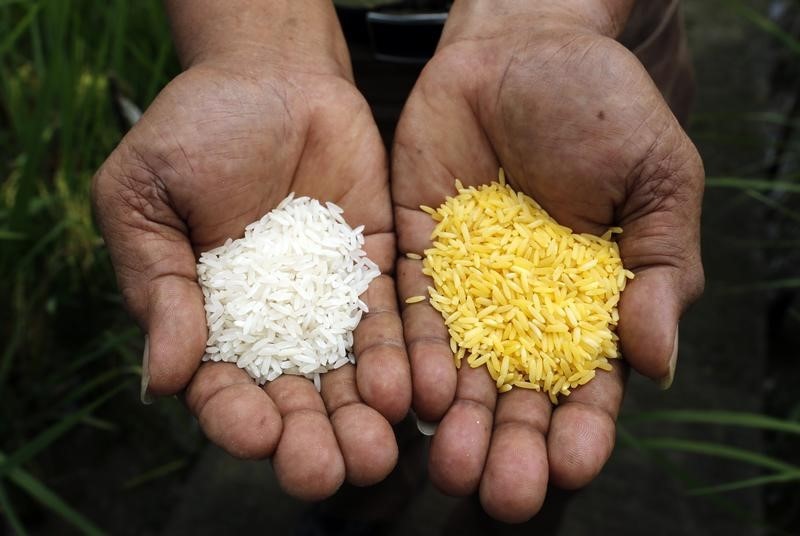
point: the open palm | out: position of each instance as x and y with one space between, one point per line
576 123
217 150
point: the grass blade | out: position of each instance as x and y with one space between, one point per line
101 379
50 500
717 450
11 235
746 483
777 206
112 342
155 473
21 26
760 185
688 479
99 424
13 343
11 515
775 284
43 242
768 26
51 434
763 244
731 418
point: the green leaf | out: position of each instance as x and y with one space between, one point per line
11 235
51 434
100 424
22 25
731 418
155 473
775 205
763 243
50 500
687 478
768 26
12 344
717 450
772 118
775 284
43 242
113 340
11 515
99 380
758 481
760 185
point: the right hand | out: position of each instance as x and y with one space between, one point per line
577 123
219 147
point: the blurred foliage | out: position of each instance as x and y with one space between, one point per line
67 347
773 184
68 350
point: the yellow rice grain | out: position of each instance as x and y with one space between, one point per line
520 294
413 256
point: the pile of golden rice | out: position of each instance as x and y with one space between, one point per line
521 294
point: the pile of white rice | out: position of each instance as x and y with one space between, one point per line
285 298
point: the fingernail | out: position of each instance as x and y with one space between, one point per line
427 428
666 382
144 395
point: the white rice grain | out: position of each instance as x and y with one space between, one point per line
284 299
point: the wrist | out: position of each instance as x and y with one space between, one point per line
296 34
471 19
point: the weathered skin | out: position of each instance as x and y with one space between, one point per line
576 123
243 126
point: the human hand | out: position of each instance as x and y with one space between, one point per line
243 126
576 122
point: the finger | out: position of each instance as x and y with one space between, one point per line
514 482
307 461
155 267
582 429
433 372
458 450
233 411
438 140
661 244
383 375
650 310
365 437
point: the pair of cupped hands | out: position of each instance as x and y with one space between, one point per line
550 96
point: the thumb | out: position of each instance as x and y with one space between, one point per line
155 268
661 245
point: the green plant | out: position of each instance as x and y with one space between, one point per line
774 187
68 350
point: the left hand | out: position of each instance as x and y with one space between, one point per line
243 126
578 124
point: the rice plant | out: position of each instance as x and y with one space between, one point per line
67 349
774 186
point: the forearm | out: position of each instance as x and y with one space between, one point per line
303 33
483 18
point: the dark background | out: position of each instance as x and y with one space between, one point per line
80 454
